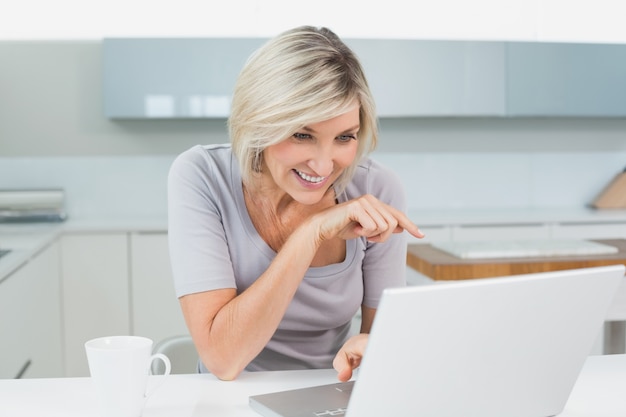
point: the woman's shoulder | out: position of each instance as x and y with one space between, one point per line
372 177
203 158
372 174
369 166
208 168
201 153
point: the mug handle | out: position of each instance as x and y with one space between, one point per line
168 369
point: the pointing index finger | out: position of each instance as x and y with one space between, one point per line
404 223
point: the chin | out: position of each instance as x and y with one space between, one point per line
309 197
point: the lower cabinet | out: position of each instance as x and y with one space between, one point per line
96 293
116 284
156 312
88 285
30 319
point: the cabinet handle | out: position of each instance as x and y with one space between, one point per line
22 371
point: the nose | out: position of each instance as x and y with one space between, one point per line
322 161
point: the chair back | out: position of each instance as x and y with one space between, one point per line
181 352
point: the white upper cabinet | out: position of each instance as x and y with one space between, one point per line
171 78
558 79
194 78
434 78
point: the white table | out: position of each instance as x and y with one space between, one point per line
599 392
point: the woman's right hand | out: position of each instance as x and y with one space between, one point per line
350 356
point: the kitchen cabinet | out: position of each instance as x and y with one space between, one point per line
433 78
186 78
172 78
156 311
194 78
96 293
116 283
30 319
559 79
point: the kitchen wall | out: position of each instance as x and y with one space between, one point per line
53 134
553 20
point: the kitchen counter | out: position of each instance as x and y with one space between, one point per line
27 239
24 242
520 216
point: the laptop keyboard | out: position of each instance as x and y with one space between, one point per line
345 388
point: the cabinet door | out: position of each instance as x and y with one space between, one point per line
156 312
13 355
434 78
188 78
558 79
30 319
95 292
172 78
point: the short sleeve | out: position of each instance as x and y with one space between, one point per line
197 242
384 264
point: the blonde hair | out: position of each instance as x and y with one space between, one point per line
303 76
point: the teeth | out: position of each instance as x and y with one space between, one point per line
309 178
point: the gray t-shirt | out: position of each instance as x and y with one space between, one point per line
213 244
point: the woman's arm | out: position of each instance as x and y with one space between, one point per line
367 318
230 330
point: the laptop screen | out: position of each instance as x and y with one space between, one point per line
489 347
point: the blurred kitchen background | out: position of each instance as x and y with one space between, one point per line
53 123
504 120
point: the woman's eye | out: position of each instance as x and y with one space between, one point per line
346 138
302 136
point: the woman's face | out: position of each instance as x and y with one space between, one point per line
306 164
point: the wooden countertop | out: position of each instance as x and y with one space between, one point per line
440 265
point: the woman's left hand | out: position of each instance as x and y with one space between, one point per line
364 216
349 356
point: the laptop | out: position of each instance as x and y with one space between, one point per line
508 346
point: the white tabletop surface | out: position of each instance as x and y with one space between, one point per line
179 396
599 392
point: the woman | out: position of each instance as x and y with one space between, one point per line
279 239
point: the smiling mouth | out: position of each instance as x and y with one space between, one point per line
309 178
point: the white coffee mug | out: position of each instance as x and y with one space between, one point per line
119 368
